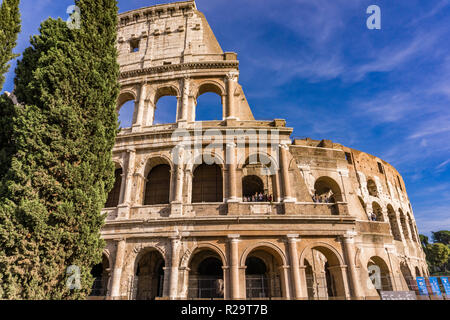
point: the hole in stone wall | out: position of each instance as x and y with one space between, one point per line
209 107
126 113
166 110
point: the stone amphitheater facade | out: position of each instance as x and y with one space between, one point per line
177 225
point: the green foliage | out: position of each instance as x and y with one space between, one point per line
423 240
437 253
9 31
61 169
442 237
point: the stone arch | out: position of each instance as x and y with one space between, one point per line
372 188
192 163
327 271
244 161
384 279
148 273
208 86
101 273
251 185
107 254
264 167
407 275
212 94
208 184
168 114
152 161
263 276
273 248
189 254
125 96
378 211
414 236
113 199
206 272
327 187
393 221
326 249
141 250
158 185
404 224
418 273
164 90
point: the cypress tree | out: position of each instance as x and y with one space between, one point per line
64 131
9 30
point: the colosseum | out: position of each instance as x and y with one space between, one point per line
235 208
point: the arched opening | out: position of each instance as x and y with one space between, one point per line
157 187
100 272
206 276
411 227
166 110
404 224
324 277
209 103
378 273
394 223
126 105
252 186
207 185
327 190
407 276
259 179
372 188
262 275
418 273
114 195
149 278
378 212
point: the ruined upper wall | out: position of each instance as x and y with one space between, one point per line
166 34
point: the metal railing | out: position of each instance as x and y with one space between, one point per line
263 286
205 287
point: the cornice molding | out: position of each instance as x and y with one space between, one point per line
180 67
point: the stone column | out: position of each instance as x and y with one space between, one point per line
150 113
303 283
284 160
123 211
231 163
234 265
185 290
348 244
173 284
183 115
231 86
117 273
285 292
177 203
122 187
226 281
140 109
129 176
295 271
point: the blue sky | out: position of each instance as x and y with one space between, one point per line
315 63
